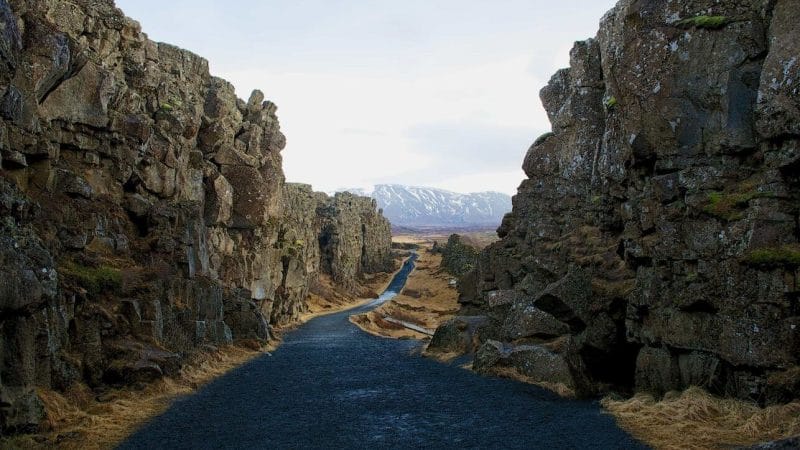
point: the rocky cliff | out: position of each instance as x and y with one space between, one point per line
458 257
354 238
143 208
344 236
654 244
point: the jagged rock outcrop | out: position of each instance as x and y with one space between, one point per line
143 208
299 232
355 238
658 226
458 257
344 236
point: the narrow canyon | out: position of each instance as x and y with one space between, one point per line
145 213
654 246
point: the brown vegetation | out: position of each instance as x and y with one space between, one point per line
694 419
446 357
477 239
81 419
509 372
427 300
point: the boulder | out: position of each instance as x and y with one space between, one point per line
139 363
22 411
526 321
554 363
458 335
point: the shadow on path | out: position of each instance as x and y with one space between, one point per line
330 385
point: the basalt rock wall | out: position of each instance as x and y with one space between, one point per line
354 238
143 208
344 236
654 244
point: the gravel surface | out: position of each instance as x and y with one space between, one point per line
330 385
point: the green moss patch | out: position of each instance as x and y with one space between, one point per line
93 279
730 206
785 255
703 21
295 248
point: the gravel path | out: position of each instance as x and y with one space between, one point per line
330 386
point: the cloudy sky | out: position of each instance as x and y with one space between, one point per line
430 93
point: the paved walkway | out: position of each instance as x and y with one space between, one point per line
330 386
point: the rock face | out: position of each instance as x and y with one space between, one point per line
458 257
143 208
657 229
355 238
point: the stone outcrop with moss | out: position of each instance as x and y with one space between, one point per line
354 238
344 236
458 257
143 208
653 245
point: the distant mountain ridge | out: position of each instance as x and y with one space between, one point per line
414 206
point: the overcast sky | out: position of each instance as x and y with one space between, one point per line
437 93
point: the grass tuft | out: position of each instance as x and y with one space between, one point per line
730 206
694 419
94 279
509 372
703 21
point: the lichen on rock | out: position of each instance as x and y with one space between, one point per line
659 229
143 208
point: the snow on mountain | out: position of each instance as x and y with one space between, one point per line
411 206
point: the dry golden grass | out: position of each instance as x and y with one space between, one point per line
446 357
410 239
325 298
477 239
694 419
432 302
77 420
508 372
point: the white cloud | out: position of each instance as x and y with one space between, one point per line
484 181
320 111
442 93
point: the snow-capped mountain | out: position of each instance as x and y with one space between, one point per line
411 206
